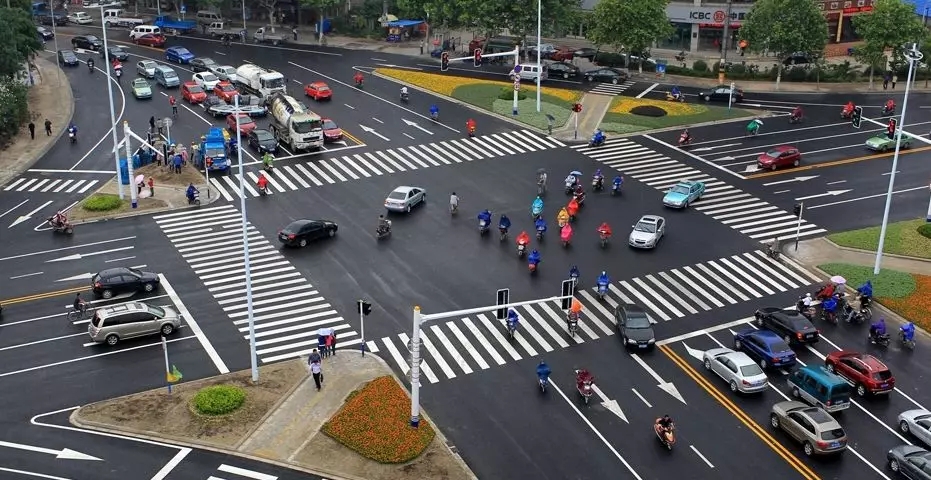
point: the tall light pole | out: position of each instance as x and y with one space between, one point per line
913 56
116 142
245 247
539 63
725 44
243 15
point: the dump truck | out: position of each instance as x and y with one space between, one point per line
292 125
214 151
256 80
175 26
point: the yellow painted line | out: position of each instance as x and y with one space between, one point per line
42 296
835 163
352 137
759 431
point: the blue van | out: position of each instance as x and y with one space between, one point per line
821 388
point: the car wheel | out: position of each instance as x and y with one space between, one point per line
796 162
112 339
707 98
733 386
774 420
773 168
590 78
332 233
737 344
903 425
149 287
809 450
795 392
565 75
894 465
707 364
107 294
861 390
408 208
614 80
303 242
763 364
167 329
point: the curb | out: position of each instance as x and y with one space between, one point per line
759 86
873 252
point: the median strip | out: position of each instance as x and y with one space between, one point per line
834 163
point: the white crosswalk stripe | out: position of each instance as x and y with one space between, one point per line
741 211
351 167
287 310
50 185
610 88
241 473
471 344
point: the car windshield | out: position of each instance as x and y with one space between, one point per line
91 38
207 61
397 195
195 89
245 120
294 227
322 88
329 124
263 135
680 189
116 50
214 152
774 153
307 126
833 434
780 346
170 75
882 376
158 312
227 88
645 227
182 51
274 83
637 321
140 83
751 370
148 65
209 77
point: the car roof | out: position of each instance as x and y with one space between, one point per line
113 271
870 361
189 84
404 189
651 218
299 223
765 336
317 84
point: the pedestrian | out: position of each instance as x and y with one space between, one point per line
895 78
159 126
421 47
294 32
203 28
178 164
317 373
886 78
321 342
48 127
330 343
151 187
139 188
314 357
152 123
32 130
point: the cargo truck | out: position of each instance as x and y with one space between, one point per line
214 151
292 125
119 18
255 80
174 26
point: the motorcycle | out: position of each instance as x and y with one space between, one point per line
405 97
268 167
753 127
793 119
598 183
521 249
72 136
880 340
573 323
574 276
806 311
381 233
512 328
543 381
846 113
482 227
907 336
666 437
504 233
604 236
536 208
597 141
772 251
887 110
566 235
579 198
540 232
90 67
471 131
64 227
584 384
359 83
602 290
263 191
829 311
685 141
865 302
616 188
194 199
435 116
673 98
570 186
532 267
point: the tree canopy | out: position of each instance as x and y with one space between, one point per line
892 24
630 25
519 17
785 27
19 38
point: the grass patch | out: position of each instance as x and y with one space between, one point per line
488 96
905 294
102 202
218 400
902 238
374 423
620 119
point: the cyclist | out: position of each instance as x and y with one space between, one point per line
79 306
174 105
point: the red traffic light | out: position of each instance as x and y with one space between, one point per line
577 107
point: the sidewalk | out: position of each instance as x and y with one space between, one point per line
51 98
594 108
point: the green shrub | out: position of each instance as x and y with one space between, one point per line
218 400
700 66
507 93
100 202
796 74
925 230
889 283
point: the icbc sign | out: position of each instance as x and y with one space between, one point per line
716 17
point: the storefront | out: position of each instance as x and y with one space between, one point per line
840 14
701 27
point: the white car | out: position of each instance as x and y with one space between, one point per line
648 231
224 72
402 199
544 48
740 372
146 68
80 18
206 80
918 423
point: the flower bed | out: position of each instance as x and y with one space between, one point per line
626 104
906 294
621 118
447 84
374 422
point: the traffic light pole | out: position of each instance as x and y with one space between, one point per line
361 326
420 318
798 228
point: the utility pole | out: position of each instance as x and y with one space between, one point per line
725 43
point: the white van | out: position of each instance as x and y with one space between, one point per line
206 17
144 30
530 71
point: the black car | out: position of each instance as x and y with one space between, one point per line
88 42
634 327
203 64
45 33
112 281
721 94
262 141
115 52
797 58
300 232
607 75
586 52
792 326
53 19
563 69
67 57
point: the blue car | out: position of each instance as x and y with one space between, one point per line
767 348
179 55
684 194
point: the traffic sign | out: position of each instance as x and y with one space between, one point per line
183 9
517 68
167 122
517 84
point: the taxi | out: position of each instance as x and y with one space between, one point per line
193 93
226 91
318 91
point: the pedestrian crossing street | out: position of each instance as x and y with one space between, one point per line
731 206
316 173
611 89
288 311
463 346
50 185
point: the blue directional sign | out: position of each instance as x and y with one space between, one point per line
517 68
182 9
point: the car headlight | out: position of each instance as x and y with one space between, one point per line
651 341
632 342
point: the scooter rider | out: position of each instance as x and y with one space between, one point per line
191 192
889 107
676 93
848 108
543 372
598 179
618 180
267 159
434 112
358 79
665 423
797 113
685 137
262 183
534 257
404 94
599 136
383 225
574 272
504 224
470 126
540 226
513 319
604 279
90 65
877 330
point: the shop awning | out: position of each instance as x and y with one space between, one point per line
405 23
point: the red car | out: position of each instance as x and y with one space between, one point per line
782 156
226 91
150 40
246 124
331 131
318 91
192 93
865 372
562 54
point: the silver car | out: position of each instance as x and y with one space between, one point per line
816 429
647 232
146 68
740 372
402 199
910 461
918 423
114 323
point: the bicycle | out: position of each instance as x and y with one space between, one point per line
76 315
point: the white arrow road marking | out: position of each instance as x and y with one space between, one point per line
752 168
696 354
611 405
23 218
705 149
63 454
82 276
14 208
78 256
418 127
723 159
373 132
665 386
796 179
831 193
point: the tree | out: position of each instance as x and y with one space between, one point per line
320 6
632 25
892 24
436 12
519 17
18 35
785 27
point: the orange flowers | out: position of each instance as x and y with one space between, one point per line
915 307
375 422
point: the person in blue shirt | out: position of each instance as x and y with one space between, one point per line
504 223
485 216
191 190
513 319
534 257
908 331
434 111
603 279
866 290
574 272
72 128
676 93
543 371
618 181
877 330
540 225
599 136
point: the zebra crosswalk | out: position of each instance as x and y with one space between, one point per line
287 310
611 89
316 173
731 206
240 473
50 185
469 344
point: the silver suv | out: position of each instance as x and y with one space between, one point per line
817 430
133 319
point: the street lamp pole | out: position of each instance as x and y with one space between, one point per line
245 247
913 56
539 64
243 15
725 44
116 142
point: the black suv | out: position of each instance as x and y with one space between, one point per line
792 326
123 280
634 326
299 232
88 42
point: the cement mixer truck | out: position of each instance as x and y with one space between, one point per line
292 126
255 80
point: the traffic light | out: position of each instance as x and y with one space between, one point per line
478 57
504 297
577 107
365 307
567 291
857 116
444 62
890 129
797 210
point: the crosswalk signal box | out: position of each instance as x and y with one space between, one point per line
504 297
567 291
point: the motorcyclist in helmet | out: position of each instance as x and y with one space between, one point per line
797 113
90 65
358 79
848 108
574 272
676 93
404 93
598 179
485 216
534 257
504 223
540 225
665 423
889 107
603 279
685 136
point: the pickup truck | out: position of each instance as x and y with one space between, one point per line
118 17
168 25
264 35
218 29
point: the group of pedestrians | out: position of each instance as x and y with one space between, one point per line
326 344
